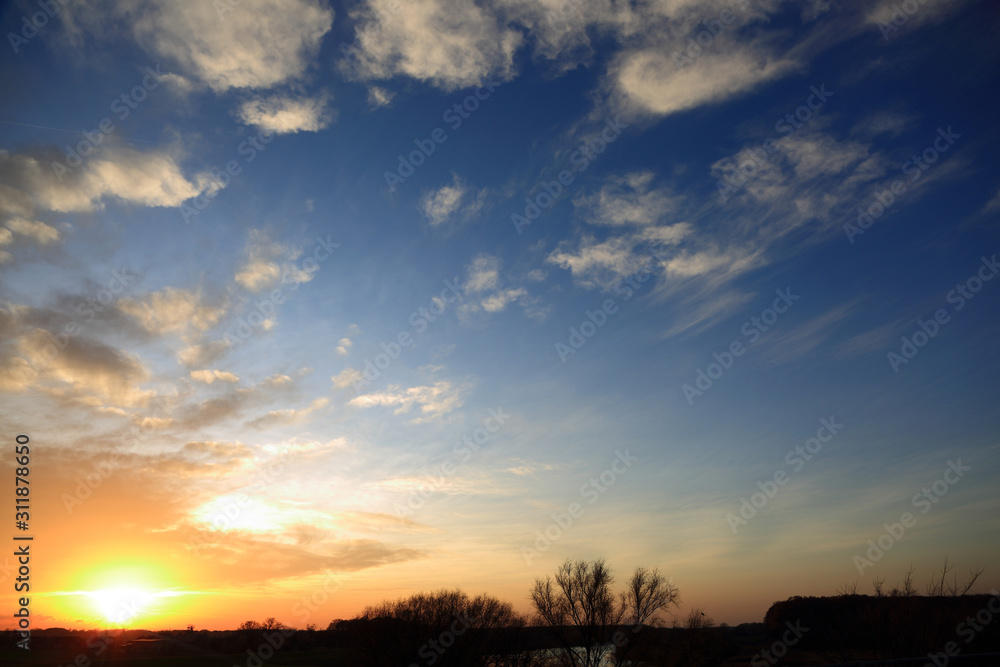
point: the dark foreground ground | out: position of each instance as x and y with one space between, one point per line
798 631
314 658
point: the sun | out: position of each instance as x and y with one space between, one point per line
119 606
122 594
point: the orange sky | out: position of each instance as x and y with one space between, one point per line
117 542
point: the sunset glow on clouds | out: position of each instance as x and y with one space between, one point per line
375 292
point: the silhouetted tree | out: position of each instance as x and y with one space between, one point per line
250 634
586 618
442 628
940 586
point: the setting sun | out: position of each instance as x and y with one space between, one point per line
123 595
120 606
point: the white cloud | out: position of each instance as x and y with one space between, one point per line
267 262
39 231
889 12
449 43
498 301
485 293
562 29
151 179
595 262
814 178
349 377
627 200
258 274
452 202
277 380
379 97
249 44
537 275
484 274
687 264
821 155
650 78
172 309
286 115
290 416
343 345
210 376
203 353
635 210
439 205
433 401
88 372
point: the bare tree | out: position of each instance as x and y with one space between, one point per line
940 586
648 592
697 620
848 589
909 583
579 608
878 584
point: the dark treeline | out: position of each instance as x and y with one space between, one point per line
887 626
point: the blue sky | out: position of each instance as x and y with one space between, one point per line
235 275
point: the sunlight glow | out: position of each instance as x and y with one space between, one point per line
121 605
241 513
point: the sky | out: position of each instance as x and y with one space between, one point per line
307 305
